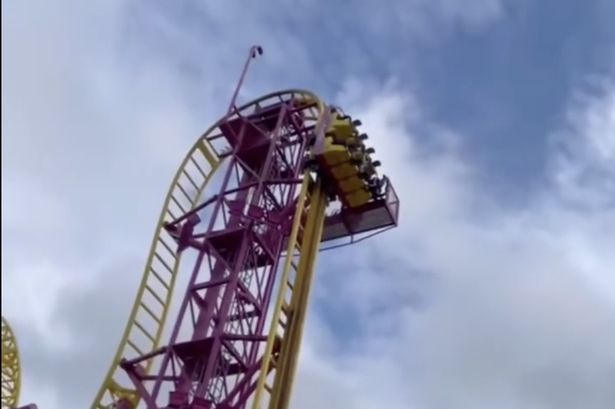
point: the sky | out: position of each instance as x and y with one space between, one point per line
495 120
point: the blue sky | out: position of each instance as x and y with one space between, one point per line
499 73
495 119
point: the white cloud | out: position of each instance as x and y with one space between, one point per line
584 167
522 307
469 15
25 288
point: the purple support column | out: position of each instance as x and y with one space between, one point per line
213 361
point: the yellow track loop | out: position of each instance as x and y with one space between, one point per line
11 372
149 312
291 305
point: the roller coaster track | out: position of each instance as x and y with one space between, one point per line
274 368
148 316
275 386
11 371
155 292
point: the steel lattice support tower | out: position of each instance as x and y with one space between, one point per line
281 160
239 249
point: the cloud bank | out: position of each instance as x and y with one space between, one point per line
520 305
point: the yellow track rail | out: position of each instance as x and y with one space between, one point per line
295 317
149 313
11 372
284 341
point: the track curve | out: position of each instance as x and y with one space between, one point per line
148 316
11 371
151 306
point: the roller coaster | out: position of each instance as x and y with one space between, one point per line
258 196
